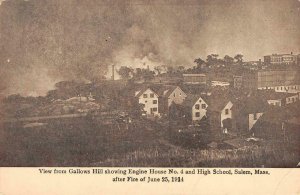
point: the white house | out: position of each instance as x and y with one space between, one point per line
169 94
275 102
220 112
226 112
149 99
195 107
278 98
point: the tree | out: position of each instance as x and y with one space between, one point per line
239 58
199 62
125 72
170 69
228 60
212 59
136 109
158 69
181 68
147 74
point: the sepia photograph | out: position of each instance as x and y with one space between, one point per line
141 83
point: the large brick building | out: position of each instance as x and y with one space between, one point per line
279 80
281 59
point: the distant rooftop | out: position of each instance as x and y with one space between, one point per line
275 54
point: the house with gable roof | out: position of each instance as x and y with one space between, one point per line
149 99
168 95
220 114
247 112
195 108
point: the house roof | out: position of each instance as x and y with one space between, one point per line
275 115
190 100
251 105
272 95
142 90
217 101
166 90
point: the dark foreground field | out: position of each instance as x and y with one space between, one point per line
80 142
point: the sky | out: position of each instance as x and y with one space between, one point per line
46 41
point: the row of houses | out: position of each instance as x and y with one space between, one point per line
225 113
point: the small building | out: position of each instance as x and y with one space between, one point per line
167 79
220 114
278 98
195 108
169 94
293 88
149 99
281 124
219 84
291 98
194 78
247 112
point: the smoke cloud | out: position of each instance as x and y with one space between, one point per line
43 42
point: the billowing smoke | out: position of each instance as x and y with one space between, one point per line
46 41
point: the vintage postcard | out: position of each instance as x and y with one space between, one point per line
161 91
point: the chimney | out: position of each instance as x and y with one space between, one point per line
113 73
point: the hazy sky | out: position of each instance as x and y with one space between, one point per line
45 41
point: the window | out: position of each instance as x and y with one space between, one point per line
152 95
255 116
180 94
203 106
174 94
197 114
145 96
226 111
154 101
197 106
154 109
